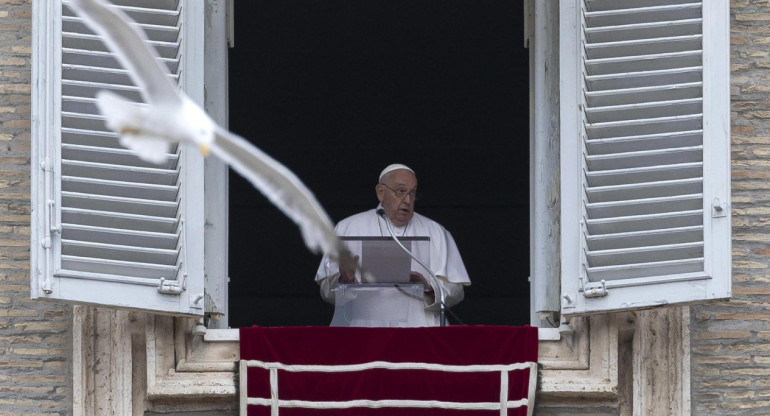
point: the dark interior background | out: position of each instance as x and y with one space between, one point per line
338 89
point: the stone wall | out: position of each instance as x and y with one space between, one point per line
35 339
731 340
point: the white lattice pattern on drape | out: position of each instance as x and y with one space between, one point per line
275 402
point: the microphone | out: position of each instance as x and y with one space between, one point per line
442 297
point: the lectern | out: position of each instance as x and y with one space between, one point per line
383 295
379 305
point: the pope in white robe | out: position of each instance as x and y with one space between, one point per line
396 192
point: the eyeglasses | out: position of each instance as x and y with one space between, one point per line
401 193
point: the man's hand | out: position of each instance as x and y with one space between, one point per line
348 270
415 277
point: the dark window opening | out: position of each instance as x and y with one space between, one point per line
338 89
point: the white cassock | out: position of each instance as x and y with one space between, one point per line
445 261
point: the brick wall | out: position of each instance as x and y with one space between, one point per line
35 340
731 340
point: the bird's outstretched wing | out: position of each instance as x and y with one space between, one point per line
171 116
286 191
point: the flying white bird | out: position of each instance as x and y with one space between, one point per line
172 117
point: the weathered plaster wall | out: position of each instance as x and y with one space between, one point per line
35 339
731 340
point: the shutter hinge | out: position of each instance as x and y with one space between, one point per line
49 227
169 287
47 168
52 216
568 301
596 290
196 301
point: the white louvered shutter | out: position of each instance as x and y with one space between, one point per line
645 153
108 228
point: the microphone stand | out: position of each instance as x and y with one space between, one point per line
442 296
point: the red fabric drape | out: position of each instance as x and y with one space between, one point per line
455 345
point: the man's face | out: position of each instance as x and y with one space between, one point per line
399 210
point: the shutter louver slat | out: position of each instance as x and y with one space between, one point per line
642 111
115 155
667 29
600 5
119 252
644 206
643 174
119 188
117 204
90 138
632 223
98 59
119 268
142 16
643 190
644 158
95 74
645 238
159 4
636 47
154 32
645 126
118 220
103 75
638 255
116 172
614 16
651 94
92 42
643 79
643 144
87 89
108 235
82 121
672 268
81 105
637 63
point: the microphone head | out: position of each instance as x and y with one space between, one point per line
381 211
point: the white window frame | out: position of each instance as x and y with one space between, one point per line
541 34
218 37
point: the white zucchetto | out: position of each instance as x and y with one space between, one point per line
395 166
